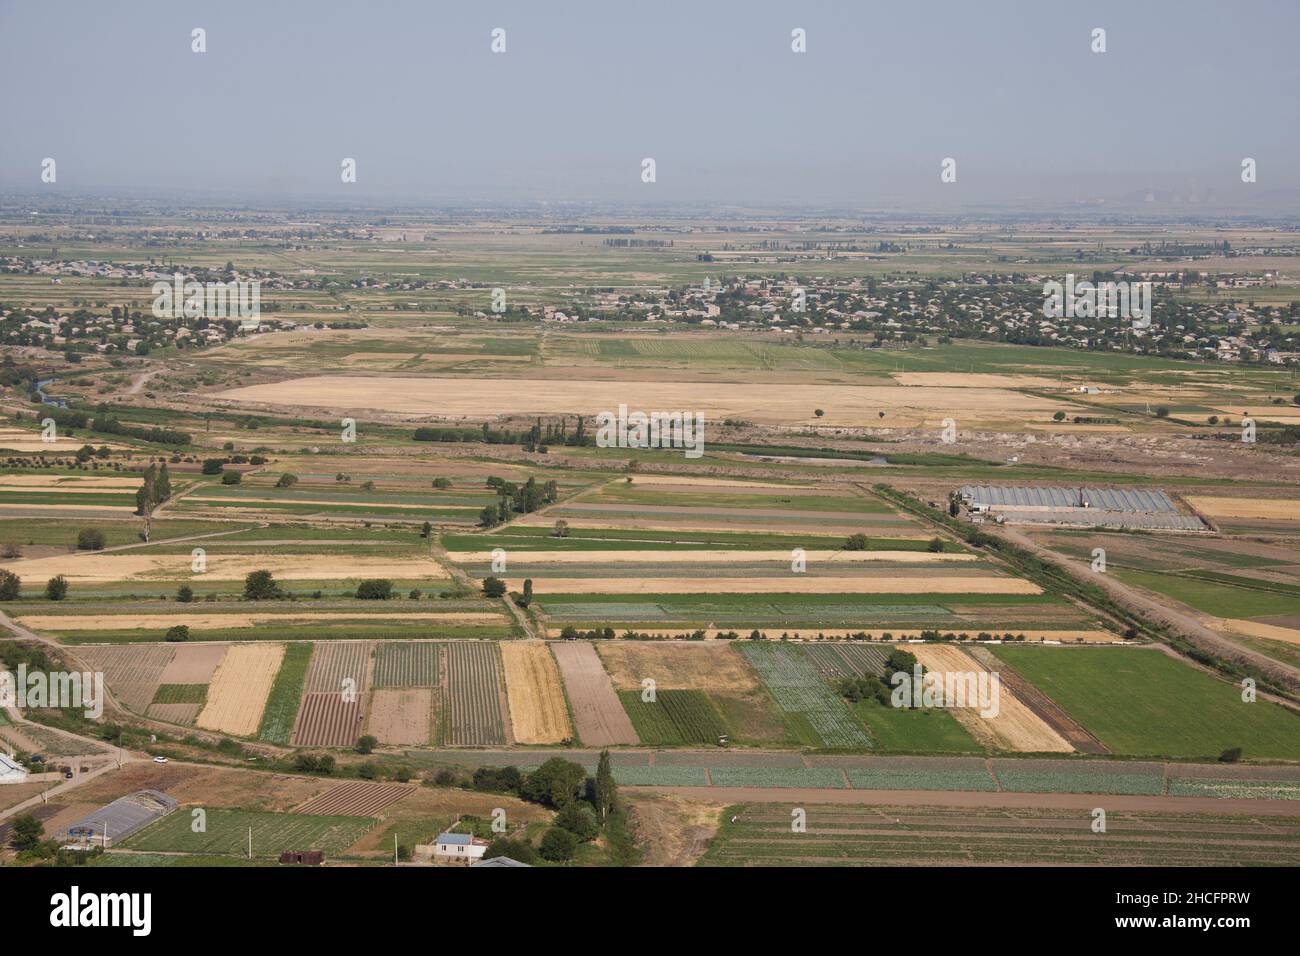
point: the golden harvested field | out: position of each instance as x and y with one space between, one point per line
790 584
713 557
239 688
1288 509
973 380
101 568
402 717
846 405
704 482
67 483
20 439
121 509
1014 727
1271 632
129 622
713 667
538 714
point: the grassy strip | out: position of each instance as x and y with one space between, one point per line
286 694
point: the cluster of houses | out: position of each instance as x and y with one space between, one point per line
994 307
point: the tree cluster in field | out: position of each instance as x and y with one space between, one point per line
216 466
871 686
586 807
375 589
536 439
261 585
515 499
11 587
860 542
105 423
154 489
27 836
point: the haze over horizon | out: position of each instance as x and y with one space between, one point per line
730 114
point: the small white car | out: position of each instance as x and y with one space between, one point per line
159 759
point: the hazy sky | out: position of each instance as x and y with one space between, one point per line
710 90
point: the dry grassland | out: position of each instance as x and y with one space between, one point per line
101 568
775 404
1288 509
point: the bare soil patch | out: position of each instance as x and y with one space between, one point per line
597 711
402 717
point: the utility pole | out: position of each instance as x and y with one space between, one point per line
250 843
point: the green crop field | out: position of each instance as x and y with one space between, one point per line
928 730
811 708
181 694
1221 600
227 833
286 695
1140 701
674 717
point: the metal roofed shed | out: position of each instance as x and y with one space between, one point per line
111 824
11 771
1143 500
1118 508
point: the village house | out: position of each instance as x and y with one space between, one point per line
459 846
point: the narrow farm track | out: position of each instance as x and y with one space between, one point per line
439 554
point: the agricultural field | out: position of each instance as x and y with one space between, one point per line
674 717
402 717
473 709
413 664
701 617
905 836
815 713
239 689
1140 701
538 711
227 833
744 709
286 693
598 714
